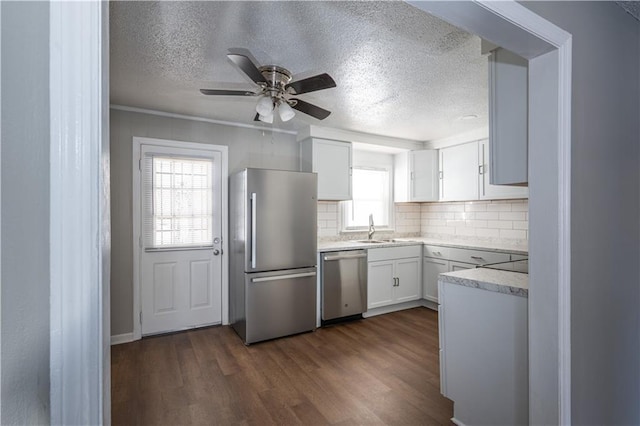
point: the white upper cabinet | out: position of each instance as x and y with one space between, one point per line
459 172
508 117
332 161
416 176
494 192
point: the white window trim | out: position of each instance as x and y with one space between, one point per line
342 225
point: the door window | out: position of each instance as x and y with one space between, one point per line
178 202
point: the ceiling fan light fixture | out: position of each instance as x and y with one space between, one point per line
274 89
285 111
265 106
266 118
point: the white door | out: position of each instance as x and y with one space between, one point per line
180 244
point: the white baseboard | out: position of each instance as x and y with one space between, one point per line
392 308
122 338
429 304
457 422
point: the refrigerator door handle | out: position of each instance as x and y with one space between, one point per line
254 221
282 277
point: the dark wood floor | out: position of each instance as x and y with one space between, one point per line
382 370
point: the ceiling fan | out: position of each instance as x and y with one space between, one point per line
276 91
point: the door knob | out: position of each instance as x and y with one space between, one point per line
216 252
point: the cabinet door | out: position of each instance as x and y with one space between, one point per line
408 283
424 175
459 172
431 268
380 283
416 176
401 178
508 117
332 161
493 192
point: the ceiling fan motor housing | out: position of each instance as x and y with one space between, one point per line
277 77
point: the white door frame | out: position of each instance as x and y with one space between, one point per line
548 48
137 231
79 213
79 72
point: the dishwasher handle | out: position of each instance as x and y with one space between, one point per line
345 256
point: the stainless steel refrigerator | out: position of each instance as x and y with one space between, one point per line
273 231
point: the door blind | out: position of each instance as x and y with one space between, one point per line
177 202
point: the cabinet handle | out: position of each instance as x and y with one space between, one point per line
481 169
398 285
477 257
440 174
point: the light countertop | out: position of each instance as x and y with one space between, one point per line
324 246
506 282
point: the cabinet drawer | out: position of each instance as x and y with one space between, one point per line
477 257
390 253
436 251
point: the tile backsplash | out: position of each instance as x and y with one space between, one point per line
408 218
495 220
491 220
328 212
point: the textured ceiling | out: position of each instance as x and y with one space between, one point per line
632 8
399 72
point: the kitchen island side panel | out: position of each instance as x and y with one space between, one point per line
485 351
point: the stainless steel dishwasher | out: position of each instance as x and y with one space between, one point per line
344 284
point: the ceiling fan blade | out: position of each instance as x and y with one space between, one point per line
248 67
227 92
310 109
311 84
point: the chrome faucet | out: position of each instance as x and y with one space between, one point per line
372 230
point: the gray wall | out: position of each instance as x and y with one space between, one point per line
25 213
247 148
605 213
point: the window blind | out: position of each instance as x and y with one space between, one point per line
177 202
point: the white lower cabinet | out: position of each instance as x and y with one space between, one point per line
394 276
438 260
431 268
408 286
380 283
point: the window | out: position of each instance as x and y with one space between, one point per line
371 195
178 202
